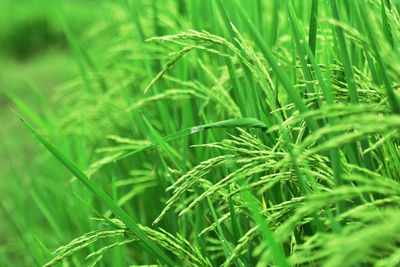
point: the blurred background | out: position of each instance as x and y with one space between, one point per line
72 68
35 61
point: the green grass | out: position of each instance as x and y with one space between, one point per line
204 133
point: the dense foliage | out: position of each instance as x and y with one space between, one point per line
217 133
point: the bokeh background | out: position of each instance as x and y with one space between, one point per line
35 62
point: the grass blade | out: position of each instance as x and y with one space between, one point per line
149 246
344 55
312 37
232 123
374 45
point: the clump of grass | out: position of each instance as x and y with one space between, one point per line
248 148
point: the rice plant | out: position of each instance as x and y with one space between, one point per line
219 133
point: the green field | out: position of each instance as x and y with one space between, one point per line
200 133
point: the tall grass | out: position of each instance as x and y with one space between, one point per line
219 133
